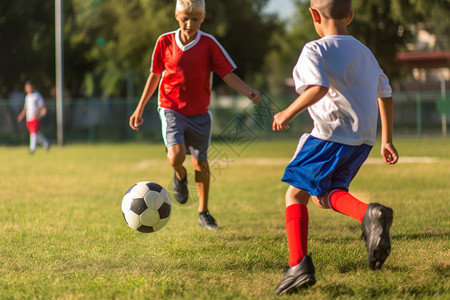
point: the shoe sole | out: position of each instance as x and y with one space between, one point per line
302 282
382 248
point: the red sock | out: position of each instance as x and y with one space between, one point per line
297 232
346 204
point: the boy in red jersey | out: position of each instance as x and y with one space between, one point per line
343 88
183 61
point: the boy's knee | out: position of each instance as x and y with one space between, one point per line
295 195
321 201
200 166
176 155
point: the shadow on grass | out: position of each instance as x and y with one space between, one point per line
342 240
334 291
421 236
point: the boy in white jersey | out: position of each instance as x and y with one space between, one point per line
342 86
182 63
34 109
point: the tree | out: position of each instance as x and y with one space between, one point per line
376 26
433 13
106 41
243 30
119 36
379 24
122 36
26 37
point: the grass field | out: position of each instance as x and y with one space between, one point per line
63 236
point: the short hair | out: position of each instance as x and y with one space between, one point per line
190 6
29 82
333 9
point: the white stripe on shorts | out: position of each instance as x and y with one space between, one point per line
300 144
162 115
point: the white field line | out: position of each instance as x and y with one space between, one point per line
149 163
284 161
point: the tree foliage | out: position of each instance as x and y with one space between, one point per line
382 25
27 40
109 43
131 30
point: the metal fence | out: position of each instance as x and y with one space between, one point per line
235 119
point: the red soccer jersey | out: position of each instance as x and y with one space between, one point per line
186 71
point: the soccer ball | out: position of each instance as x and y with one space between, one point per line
146 207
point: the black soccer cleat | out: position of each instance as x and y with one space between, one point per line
206 220
375 231
180 188
297 277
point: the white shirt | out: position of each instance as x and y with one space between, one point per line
348 113
33 102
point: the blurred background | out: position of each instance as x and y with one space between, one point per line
108 46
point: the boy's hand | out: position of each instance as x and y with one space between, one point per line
41 112
255 96
135 121
389 153
280 121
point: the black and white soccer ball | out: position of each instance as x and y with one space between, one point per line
146 207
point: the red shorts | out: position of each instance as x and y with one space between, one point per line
34 125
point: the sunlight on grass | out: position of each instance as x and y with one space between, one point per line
63 235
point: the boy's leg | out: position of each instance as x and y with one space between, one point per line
300 272
202 182
176 154
297 219
32 128
375 220
346 204
32 142
42 140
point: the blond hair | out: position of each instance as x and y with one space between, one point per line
333 9
190 6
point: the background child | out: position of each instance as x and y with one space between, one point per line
339 81
34 109
183 61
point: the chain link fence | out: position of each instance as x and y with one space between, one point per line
235 119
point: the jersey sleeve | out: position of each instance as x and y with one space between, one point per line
222 64
157 65
309 70
40 100
384 90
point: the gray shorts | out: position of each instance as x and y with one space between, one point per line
193 131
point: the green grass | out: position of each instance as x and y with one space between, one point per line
63 236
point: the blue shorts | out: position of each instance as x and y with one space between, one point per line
319 166
192 131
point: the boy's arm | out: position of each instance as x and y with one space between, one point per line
237 84
42 111
311 95
150 87
388 151
21 114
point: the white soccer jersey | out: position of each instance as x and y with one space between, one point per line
33 102
348 113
